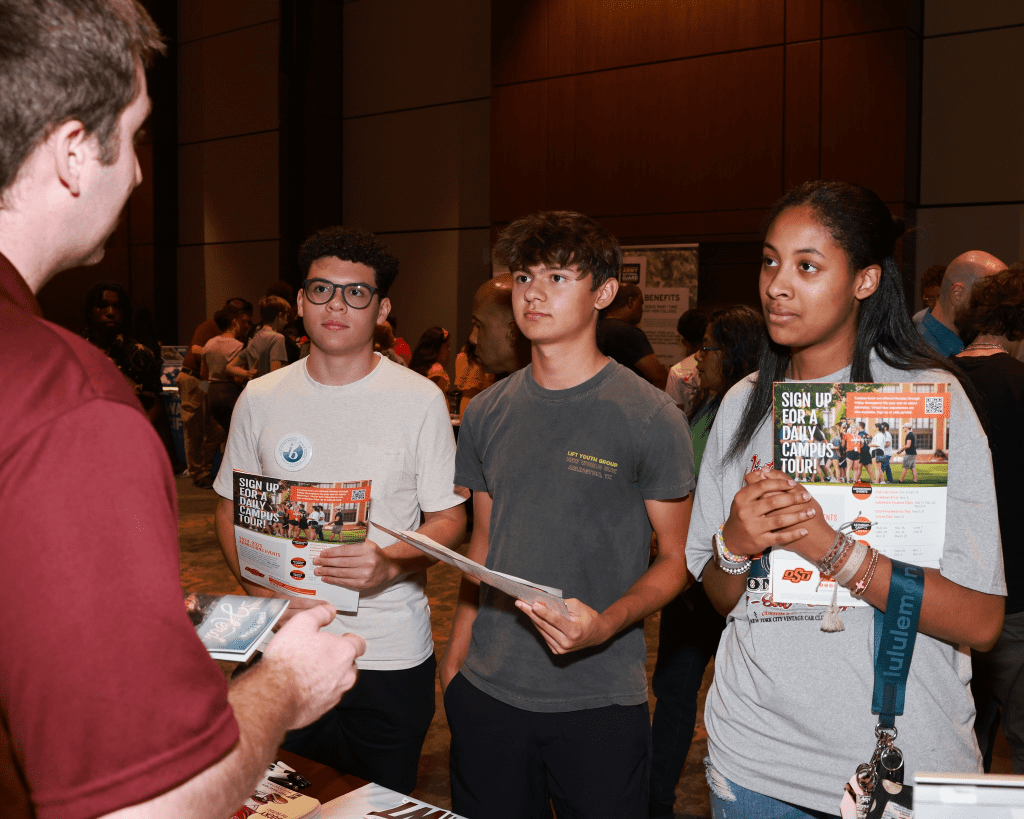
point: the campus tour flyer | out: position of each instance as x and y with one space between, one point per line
281 525
843 442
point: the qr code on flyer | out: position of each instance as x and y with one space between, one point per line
360 494
933 405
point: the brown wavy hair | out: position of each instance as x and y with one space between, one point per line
996 308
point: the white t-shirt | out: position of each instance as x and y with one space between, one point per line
391 427
683 382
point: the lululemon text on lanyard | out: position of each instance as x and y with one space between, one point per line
895 634
879 782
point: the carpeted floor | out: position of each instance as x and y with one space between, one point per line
203 569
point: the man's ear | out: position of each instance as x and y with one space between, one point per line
72 147
958 294
385 308
606 293
866 281
300 300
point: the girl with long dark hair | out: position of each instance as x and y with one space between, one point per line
789 712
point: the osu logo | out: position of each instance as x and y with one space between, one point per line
298 562
796 575
298 575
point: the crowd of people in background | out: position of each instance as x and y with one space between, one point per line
590 465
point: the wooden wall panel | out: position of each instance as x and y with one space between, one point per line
685 121
801 153
140 212
659 228
519 145
519 41
704 132
803 20
841 17
864 111
562 36
561 153
618 34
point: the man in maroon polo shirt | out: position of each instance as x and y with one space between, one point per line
109 704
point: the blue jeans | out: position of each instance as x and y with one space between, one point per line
730 801
886 468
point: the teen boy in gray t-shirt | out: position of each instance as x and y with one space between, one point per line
572 462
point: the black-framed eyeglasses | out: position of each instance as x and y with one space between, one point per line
356 295
708 349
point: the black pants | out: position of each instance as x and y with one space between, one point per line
376 732
506 762
687 640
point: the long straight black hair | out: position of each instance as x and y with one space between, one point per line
860 223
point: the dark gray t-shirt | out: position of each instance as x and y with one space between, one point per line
569 471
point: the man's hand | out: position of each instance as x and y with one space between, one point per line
358 566
583 629
320 666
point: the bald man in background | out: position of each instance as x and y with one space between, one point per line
938 325
500 346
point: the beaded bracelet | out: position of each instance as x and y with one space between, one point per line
852 566
726 560
725 553
832 555
861 586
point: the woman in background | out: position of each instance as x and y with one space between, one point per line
992 326
430 358
690 626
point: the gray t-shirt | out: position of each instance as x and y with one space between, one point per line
789 710
569 471
391 427
218 353
265 347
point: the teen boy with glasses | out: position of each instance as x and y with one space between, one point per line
359 416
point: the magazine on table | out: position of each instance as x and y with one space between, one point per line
233 626
373 800
281 525
276 796
516 587
900 512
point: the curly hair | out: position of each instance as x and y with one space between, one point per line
996 308
94 298
561 239
63 60
351 245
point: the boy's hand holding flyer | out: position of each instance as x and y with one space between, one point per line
281 526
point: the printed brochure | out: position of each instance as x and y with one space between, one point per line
275 796
843 442
373 800
516 587
281 525
233 626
